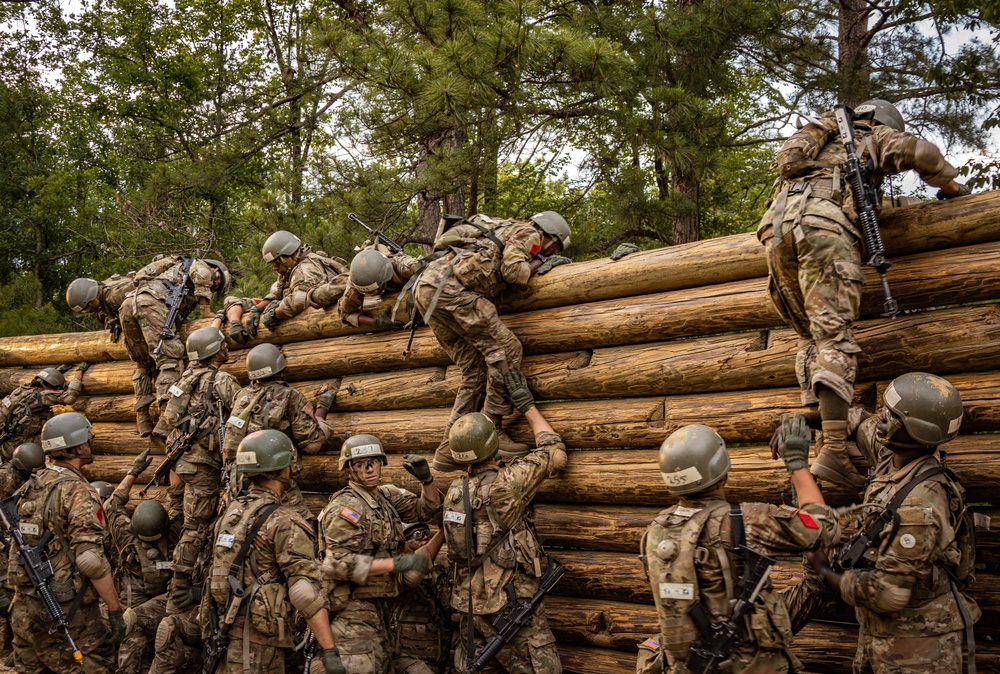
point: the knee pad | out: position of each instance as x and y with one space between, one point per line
164 632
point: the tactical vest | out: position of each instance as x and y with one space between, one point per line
157 277
265 601
672 555
144 569
419 626
332 267
185 406
113 294
22 414
505 546
255 410
478 267
35 517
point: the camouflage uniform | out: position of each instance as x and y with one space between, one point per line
504 527
142 316
927 634
59 498
298 289
28 407
11 480
283 553
358 528
420 625
465 319
142 575
814 245
200 467
110 295
702 530
353 303
274 404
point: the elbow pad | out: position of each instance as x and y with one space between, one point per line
304 597
892 598
931 164
93 564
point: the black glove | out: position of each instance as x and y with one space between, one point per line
117 620
411 561
417 467
624 249
331 661
141 463
83 367
185 595
268 318
254 320
794 445
238 333
384 322
517 389
963 190
552 262
116 332
325 400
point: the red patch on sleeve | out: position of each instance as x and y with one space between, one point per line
100 514
534 249
808 521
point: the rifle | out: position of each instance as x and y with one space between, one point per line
865 204
379 236
175 298
163 470
35 562
217 644
309 651
720 640
516 615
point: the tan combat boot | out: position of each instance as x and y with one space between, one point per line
833 463
443 461
508 448
144 422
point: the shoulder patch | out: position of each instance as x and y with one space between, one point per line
650 644
351 515
791 509
808 521
535 248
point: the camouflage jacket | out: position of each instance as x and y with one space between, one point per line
27 408
420 618
353 303
688 553
312 269
922 554
274 404
187 403
142 568
356 528
11 479
112 293
59 499
155 278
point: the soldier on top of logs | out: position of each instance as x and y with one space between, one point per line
26 409
374 271
814 255
300 271
906 577
269 402
457 294
151 343
101 298
693 553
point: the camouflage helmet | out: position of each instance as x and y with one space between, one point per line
883 112
28 457
104 489
204 343
264 451
362 446
222 269
81 292
65 431
280 243
928 406
264 360
692 459
150 520
473 439
554 225
370 270
52 377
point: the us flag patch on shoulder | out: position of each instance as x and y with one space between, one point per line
650 644
350 515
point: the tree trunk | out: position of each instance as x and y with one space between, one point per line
685 184
853 66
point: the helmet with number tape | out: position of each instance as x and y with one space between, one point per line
64 432
883 112
473 439
693 459
52 377
370 271
361 447
928 406
265 360
204 343
81 292
264 451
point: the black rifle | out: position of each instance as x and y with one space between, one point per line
379 236
516 615
35 562
865 204
163 470
217 644
309 651
175 298
719 640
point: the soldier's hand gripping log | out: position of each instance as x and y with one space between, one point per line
36 564
865 204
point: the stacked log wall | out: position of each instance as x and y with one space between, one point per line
620 354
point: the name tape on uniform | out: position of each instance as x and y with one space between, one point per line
682 477
236 421
456 517
28 528
164 566
682 511
175 390
225 540
677 591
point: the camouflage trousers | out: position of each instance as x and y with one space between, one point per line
531 651
744 661
202 485
362 637
136 651
936 654
815 285
38 652
470 331
178 644
142 317
257 659
405 664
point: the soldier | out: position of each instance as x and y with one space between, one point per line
373 272
457 294
142 316
29 406
142 548
420 618
907 588
361 536
269 551
300 270
58 499
504 547
200 402
102 298
814 256
693 550
269 402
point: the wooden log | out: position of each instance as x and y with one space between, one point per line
583 660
